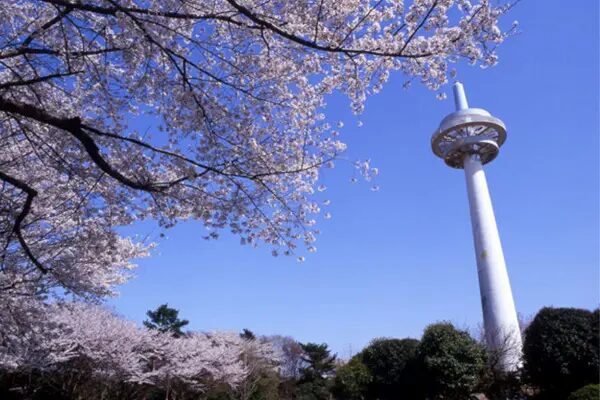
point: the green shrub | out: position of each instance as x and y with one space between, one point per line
351 380
561 351
449 362
589 392
391 364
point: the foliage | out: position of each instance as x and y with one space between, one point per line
74 350
312 390
247 334
501 385
319 362
289 353
352 380
391 363
588 392
219 392
85 351
165 319
261 362
232 93
497 382
561 350
449 361
320 365
267 386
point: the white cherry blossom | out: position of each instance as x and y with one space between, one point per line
115 111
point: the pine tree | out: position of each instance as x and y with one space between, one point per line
166 319
314 377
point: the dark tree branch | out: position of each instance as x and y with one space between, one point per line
47 25
37 80
74 127
31 193
420 25
360 22
314 45
29 50
77 129
142 11
316 35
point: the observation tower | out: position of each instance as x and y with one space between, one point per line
467 139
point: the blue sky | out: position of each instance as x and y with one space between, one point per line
391 262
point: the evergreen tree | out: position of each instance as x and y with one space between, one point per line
166 319
314 377
247 334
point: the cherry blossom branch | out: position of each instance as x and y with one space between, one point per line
47 25
76 128
360 21
238 89
418 28
313 44
207 168
22 82
73 126
31 193
143 11
186 61
24 51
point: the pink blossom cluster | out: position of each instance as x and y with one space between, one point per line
75 337
115 111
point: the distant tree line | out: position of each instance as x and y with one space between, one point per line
560 362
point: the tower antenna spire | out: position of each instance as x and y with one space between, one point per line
460 98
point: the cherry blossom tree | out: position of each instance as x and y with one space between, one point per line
78 345
263 364
234 94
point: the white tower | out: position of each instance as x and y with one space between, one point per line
467 139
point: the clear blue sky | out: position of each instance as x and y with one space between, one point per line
393 261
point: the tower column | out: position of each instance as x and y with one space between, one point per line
501 325
467 139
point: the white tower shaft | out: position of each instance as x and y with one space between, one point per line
503 335
467 139
500 321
